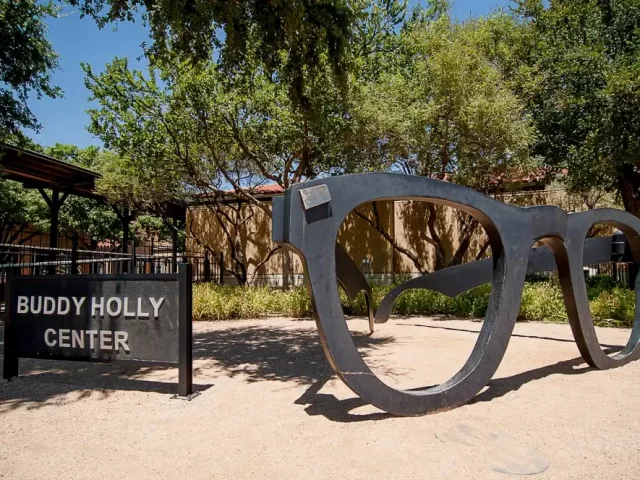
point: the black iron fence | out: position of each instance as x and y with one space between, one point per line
623 273
28 252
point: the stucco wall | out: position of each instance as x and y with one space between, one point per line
406 222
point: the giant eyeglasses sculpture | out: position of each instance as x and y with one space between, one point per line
307 220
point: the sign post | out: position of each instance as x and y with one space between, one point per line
11 362
102 318
185 335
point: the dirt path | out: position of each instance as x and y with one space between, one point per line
270 408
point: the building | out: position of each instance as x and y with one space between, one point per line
381 257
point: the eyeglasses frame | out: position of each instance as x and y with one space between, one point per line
307 219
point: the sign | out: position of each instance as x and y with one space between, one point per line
143 318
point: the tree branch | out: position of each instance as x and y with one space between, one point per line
263 262
381 230
467 235
431 225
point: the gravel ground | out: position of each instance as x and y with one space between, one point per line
270 408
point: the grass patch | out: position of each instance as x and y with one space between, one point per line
611 304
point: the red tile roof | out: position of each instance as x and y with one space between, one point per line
269 189
530 177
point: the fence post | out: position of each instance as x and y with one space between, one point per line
133 269
74 253
152 268
54 213
174 245
126 219
207 267
221 267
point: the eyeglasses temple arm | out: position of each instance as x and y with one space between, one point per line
353 281
347 272
456 280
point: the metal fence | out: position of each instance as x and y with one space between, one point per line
28 252
623 273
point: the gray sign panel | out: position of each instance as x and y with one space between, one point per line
96 317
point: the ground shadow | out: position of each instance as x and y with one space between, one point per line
337 410
266 352
517 335
50 382
501 386
257 353
333 409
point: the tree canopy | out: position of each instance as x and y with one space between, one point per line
424 96
26 62
581 70
309 32
223 134
447 111
443 108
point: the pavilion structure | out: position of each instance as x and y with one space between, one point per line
57 180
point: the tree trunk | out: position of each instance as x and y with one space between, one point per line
435 236
376 224
468 231
629 185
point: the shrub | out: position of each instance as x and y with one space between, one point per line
617 307
215 302
600 283
541 301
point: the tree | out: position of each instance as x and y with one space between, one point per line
414 77
446 112
124 192
582 69
22 213
222 137
310 32
26 62
94 219
141 201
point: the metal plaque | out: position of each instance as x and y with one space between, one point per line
145 318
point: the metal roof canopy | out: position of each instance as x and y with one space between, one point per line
36 170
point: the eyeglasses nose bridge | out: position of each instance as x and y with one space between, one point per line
547 221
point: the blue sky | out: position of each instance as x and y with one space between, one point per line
78 40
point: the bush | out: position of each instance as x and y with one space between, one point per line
617 307
215 302
541 301
601 283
